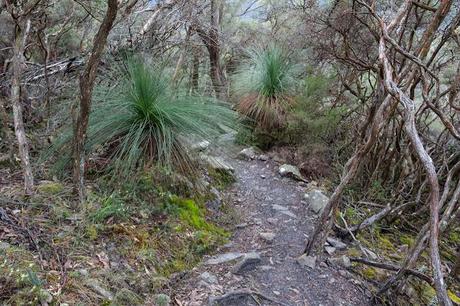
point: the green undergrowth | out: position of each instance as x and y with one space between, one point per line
118 247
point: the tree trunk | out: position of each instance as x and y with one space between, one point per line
18 62
211 41
87 79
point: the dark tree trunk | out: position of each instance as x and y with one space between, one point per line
87 79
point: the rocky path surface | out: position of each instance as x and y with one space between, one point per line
260 264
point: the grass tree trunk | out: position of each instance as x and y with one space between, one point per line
87 79
18 62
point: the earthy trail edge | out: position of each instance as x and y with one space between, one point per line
267 203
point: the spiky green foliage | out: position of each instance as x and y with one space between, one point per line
265 85
142 121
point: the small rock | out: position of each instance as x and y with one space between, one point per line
249 262
329 250
283 210
276 292
342 261
4 245
263 157
200 146
343 273
162 300
217 163
247 154
316 200
95 285
263 176
272 221
223 258
267 237
209 278
307 261
323 264
290 171
370 254
336 243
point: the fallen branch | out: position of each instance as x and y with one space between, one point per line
393 267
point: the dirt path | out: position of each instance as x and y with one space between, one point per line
268 204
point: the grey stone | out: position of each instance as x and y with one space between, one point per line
209 278
249 262
329 249
272 221
336 243
223 258
96 286
162 300
247 154
307 261
200 146
4 245
283 210
316 200
263 157
267 236
291 171
217 163
342 261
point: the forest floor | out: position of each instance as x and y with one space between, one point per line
259 265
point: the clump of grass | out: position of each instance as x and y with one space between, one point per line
142 121
265 85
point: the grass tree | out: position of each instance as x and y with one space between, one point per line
143 121
265 85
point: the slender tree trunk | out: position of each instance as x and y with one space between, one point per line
87 79
18 62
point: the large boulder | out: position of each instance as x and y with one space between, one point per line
316 200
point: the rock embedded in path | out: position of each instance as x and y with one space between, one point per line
209 278
307 261
223 258
248 263
267 236
291 171
336 243
316 200
284 210
247 154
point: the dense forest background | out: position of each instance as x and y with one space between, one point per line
109 111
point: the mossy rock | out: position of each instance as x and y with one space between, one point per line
125 297
50 188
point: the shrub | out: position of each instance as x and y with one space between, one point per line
141 121
265 85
